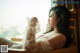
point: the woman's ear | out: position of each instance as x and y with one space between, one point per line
58 19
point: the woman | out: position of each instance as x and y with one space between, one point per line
59 35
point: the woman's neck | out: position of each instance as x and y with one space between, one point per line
55 30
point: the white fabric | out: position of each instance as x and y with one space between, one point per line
45 44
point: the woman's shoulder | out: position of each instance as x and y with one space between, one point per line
60 35
55 35
58 40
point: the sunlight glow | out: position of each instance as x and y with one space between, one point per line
14 12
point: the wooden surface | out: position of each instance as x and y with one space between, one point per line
72 49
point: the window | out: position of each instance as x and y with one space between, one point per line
13 15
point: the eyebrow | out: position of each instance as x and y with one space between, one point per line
50 15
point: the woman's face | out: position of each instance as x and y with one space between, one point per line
53 19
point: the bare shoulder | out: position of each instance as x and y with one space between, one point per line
58 36
61 36
58 41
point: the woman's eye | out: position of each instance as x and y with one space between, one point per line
50 16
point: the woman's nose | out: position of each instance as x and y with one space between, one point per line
48 20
